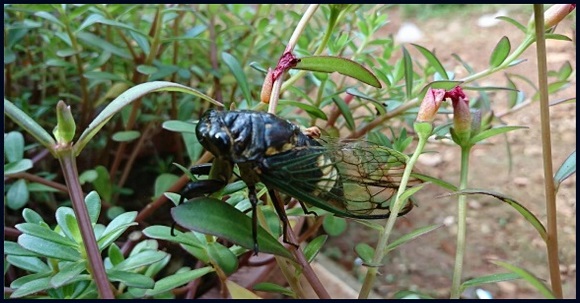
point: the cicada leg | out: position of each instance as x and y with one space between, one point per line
200 187
254 201
279 206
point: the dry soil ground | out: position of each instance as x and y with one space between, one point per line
495 231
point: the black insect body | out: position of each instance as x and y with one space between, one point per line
353 179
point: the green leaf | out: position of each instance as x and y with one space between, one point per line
500 53
17 167
408 72
96 75
126 136
93 202
274 288
329 64
310 109
31 264
116 228
494 278
380 107
49 17
566 169
432 59
13 146
176 280
528 215
526 275
492 132
67 273
365 252
334 226
13 248
163 182
223 257
17 195
179 126
115 254
103 184
557 37
130 279
44 232
32 287
412 235
513 22
435 181
48 248
28 124
164 233
30 216
345 111
143 258
126 98
411 191
147 69
214 217
313 248
238 73
565 71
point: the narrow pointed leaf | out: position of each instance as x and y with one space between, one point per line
500 53
489 279
17 167
528 276
345 111
342 66
528 215
411 191
494 131
30 125
513 22
412 235
566 169
312 110
179 126
31 264
313 248
130 279
432 59
558 37
435 181
238 73
223 257
67 273
408 69
214 217
176 280
275 288
48 248
126 98
32 287
43 232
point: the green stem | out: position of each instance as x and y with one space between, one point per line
461 225
380 251
549 188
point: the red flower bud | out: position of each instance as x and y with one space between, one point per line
431 103
461 113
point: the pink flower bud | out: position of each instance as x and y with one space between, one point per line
431 103
267 87
557 13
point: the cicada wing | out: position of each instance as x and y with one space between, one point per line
352 179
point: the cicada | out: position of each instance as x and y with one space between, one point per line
353 179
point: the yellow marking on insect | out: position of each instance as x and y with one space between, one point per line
329 174
273 150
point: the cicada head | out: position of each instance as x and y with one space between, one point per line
214 135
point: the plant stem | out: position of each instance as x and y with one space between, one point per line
95 262
461 225
380 251
552 240
289 47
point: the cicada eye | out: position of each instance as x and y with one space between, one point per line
221 141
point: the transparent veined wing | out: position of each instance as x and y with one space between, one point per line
352 178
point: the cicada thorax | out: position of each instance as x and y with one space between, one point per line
246 136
